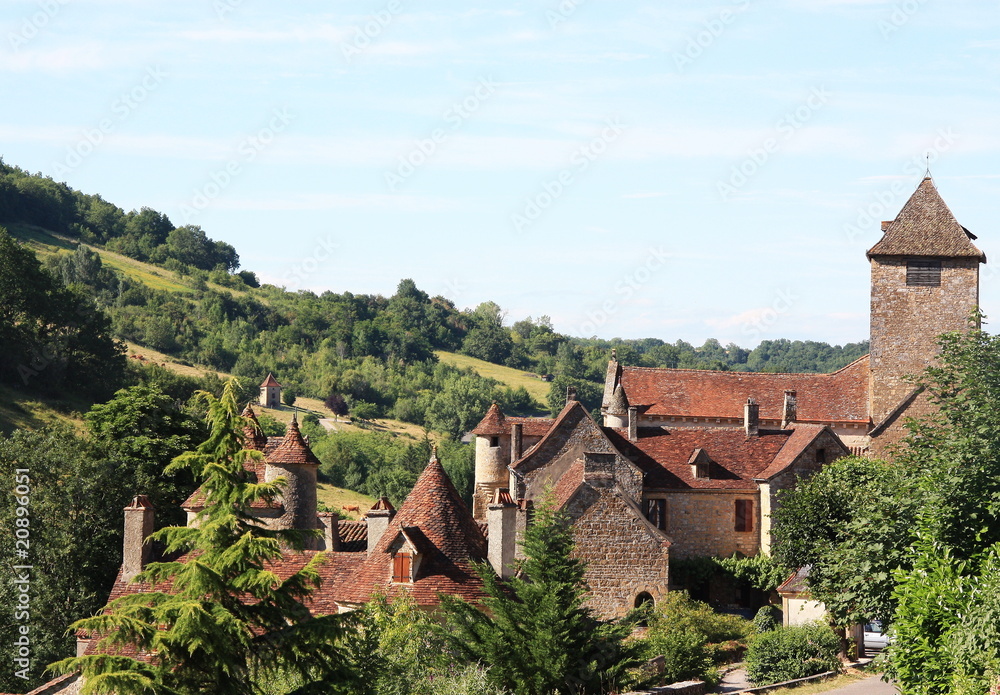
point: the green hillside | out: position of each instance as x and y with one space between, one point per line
513 378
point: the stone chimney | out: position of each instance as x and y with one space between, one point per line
633 423
570 393
501 520
331 531
751 418
378 517
789 411
139 518
516 441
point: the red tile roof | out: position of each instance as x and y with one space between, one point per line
495 423
838 397
926 227
802 436
253 436
452 542
736 459
292 449
270 381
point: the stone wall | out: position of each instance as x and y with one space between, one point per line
625 556
703 523
906 321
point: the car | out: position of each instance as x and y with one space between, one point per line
875 637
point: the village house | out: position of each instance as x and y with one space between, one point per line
682 464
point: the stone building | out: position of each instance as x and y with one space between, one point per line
270 392
701 455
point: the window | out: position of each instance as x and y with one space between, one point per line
744 516
820 455
656 512
494 441
401 567
923 273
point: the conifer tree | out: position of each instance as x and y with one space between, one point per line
533 631
218 619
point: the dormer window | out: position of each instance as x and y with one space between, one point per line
923 273
700 464
402 566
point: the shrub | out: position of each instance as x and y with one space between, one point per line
678 612
765 620
792 652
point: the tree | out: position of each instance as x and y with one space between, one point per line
73 542
337 404
533 632
227 623
852 523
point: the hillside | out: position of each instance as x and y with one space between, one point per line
514 378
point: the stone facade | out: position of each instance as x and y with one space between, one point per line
704 524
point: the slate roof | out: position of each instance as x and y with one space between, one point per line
926 227
663 455
495 423
451 543
840 397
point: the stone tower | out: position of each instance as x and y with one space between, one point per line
925 281
270 392
294 461
493 453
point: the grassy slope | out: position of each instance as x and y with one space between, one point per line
538 389
336 498
23 411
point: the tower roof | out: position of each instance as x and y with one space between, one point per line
270 381
926 227
292 449
447 535
493 423
254 437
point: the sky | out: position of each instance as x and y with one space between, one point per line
677 170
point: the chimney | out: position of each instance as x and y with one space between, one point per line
501 520
331 531
633 423
378 517
789 411
139 517
751 418
570 393
515 441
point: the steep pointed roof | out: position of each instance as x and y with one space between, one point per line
493 423
292 449
451 542
619 402
926 227
254 437
270 381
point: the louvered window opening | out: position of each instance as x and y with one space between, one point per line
401 567
744 516
923 273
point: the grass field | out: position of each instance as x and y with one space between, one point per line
336 498
19 411
538 389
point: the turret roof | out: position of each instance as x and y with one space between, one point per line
926 227
292 449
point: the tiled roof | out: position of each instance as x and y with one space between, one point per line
452 540
292 449
353 536
197 499
736 459
797 584
569 482
926 227
802 436
495 423
253 436
270 381
838 397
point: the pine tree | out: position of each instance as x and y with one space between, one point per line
533 631
218 620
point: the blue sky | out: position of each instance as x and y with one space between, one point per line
674 170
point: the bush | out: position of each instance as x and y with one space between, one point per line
687 634
765 620
792 652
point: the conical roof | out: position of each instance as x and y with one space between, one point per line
926 227
618 405
253 436
292 449
450 541
493 423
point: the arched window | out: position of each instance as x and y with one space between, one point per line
643 598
